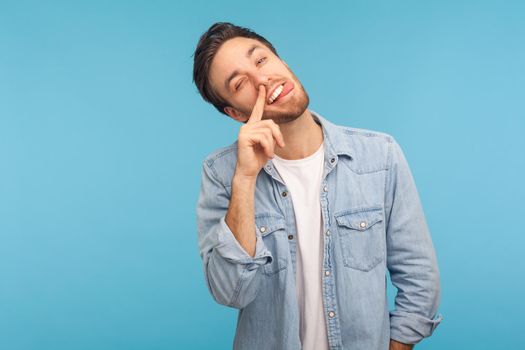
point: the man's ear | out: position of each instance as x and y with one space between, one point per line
235 114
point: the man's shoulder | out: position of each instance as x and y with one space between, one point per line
221 154
351 138
222 162
368 148
365 134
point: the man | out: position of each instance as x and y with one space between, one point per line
300 219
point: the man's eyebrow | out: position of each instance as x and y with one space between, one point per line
236 72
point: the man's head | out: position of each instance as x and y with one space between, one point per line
231 62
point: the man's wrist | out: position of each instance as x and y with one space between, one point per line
242 181
395 345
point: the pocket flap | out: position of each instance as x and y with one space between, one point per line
360 220
267 223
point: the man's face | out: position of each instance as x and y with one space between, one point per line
240 66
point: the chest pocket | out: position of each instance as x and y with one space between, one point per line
362 238
272 228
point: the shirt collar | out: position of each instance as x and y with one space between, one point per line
335 138
335 141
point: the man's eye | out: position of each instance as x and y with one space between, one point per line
238 85
260 60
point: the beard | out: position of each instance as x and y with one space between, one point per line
291 109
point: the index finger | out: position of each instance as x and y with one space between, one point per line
258 109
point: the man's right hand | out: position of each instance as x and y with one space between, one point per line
256 140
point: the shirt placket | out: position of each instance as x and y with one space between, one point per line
331 310
286 205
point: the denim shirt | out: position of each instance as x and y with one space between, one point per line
373 223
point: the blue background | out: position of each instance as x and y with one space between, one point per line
102 135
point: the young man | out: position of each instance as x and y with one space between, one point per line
300 219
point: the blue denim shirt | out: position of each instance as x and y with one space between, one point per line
373 223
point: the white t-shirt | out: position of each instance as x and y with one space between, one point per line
303 181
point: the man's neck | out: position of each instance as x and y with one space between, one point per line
302 137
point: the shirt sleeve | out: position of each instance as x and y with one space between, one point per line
411 258
231 274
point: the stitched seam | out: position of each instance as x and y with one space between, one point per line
216 178
354 131
238 287
220 154
358 210
388 174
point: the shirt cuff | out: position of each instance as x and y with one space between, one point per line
230 249
411 328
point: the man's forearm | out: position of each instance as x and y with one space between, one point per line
395 345
240 215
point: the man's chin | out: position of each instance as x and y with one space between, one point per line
283 118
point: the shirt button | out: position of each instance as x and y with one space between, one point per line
362 224
284 193
325 189
327 273
328 232
332 160
331 314
262 229
268 168
290 236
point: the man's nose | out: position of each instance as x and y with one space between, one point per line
262 80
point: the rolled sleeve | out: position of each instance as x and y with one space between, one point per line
411 328
230 249
411 258
231 274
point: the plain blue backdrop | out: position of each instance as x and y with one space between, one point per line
102 135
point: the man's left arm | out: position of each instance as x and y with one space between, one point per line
411 258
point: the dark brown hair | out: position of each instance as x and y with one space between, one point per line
209 44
